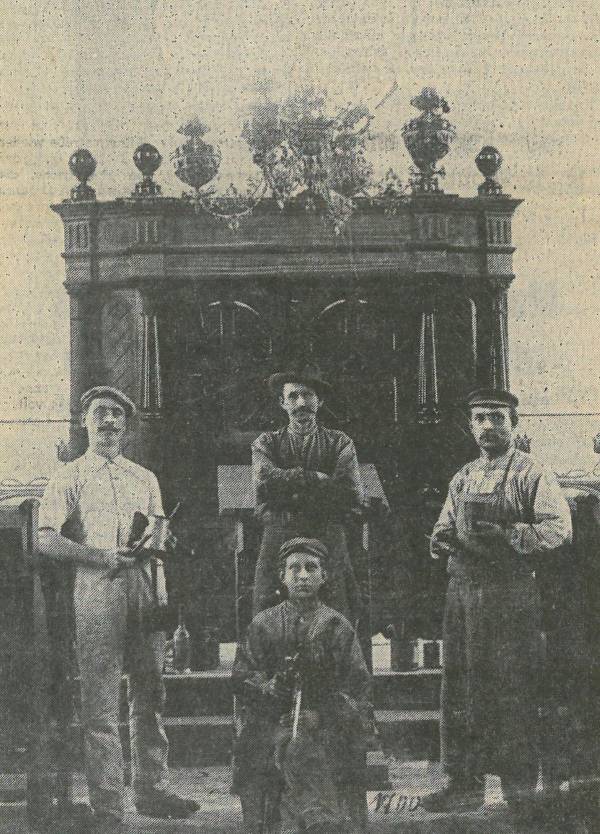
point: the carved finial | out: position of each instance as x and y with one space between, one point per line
427 139
82 165
489 161
196 162
147 160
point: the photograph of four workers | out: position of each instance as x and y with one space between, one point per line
302 685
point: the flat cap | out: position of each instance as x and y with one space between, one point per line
312 547
114 394
492 397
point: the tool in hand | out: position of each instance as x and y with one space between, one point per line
138 550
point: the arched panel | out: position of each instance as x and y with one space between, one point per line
458 348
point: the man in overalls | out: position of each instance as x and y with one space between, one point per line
502 510
307 481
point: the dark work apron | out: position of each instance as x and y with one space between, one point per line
491 652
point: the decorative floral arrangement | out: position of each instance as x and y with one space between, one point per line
305 151
313 158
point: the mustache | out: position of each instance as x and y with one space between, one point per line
108 428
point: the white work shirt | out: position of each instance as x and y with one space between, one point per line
95 499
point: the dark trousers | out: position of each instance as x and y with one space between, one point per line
490 680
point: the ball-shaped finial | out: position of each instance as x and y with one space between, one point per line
489 160
147 159
82 164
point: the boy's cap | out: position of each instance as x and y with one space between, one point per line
108 391
312 547
491 397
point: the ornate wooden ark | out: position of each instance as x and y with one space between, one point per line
403 305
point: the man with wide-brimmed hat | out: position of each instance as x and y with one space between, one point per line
305 693
307 482
85 520
502 511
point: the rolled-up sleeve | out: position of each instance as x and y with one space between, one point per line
552 526
57 502
445 527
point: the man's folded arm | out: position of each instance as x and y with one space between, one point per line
275 482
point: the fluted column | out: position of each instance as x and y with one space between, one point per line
151 383
428 411
499 377
150 451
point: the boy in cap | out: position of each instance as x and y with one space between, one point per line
85 518
305 691
502 510
307 481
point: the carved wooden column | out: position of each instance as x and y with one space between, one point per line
151 400
151 387
498 370
428 411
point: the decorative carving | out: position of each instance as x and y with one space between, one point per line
427 139
147 160
196 162
489 161
428 386
82 165
499 342
151 398
311 156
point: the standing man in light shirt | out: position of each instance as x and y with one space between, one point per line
502 510
85 519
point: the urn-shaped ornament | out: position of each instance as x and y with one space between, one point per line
428 138
196 162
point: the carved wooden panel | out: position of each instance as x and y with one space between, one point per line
120 343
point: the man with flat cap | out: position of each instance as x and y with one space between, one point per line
307 481
85 520
502 511
305 693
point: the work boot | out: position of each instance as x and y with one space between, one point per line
458 796
164 805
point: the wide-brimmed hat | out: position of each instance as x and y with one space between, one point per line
309 375
108 391
311 547
491 398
